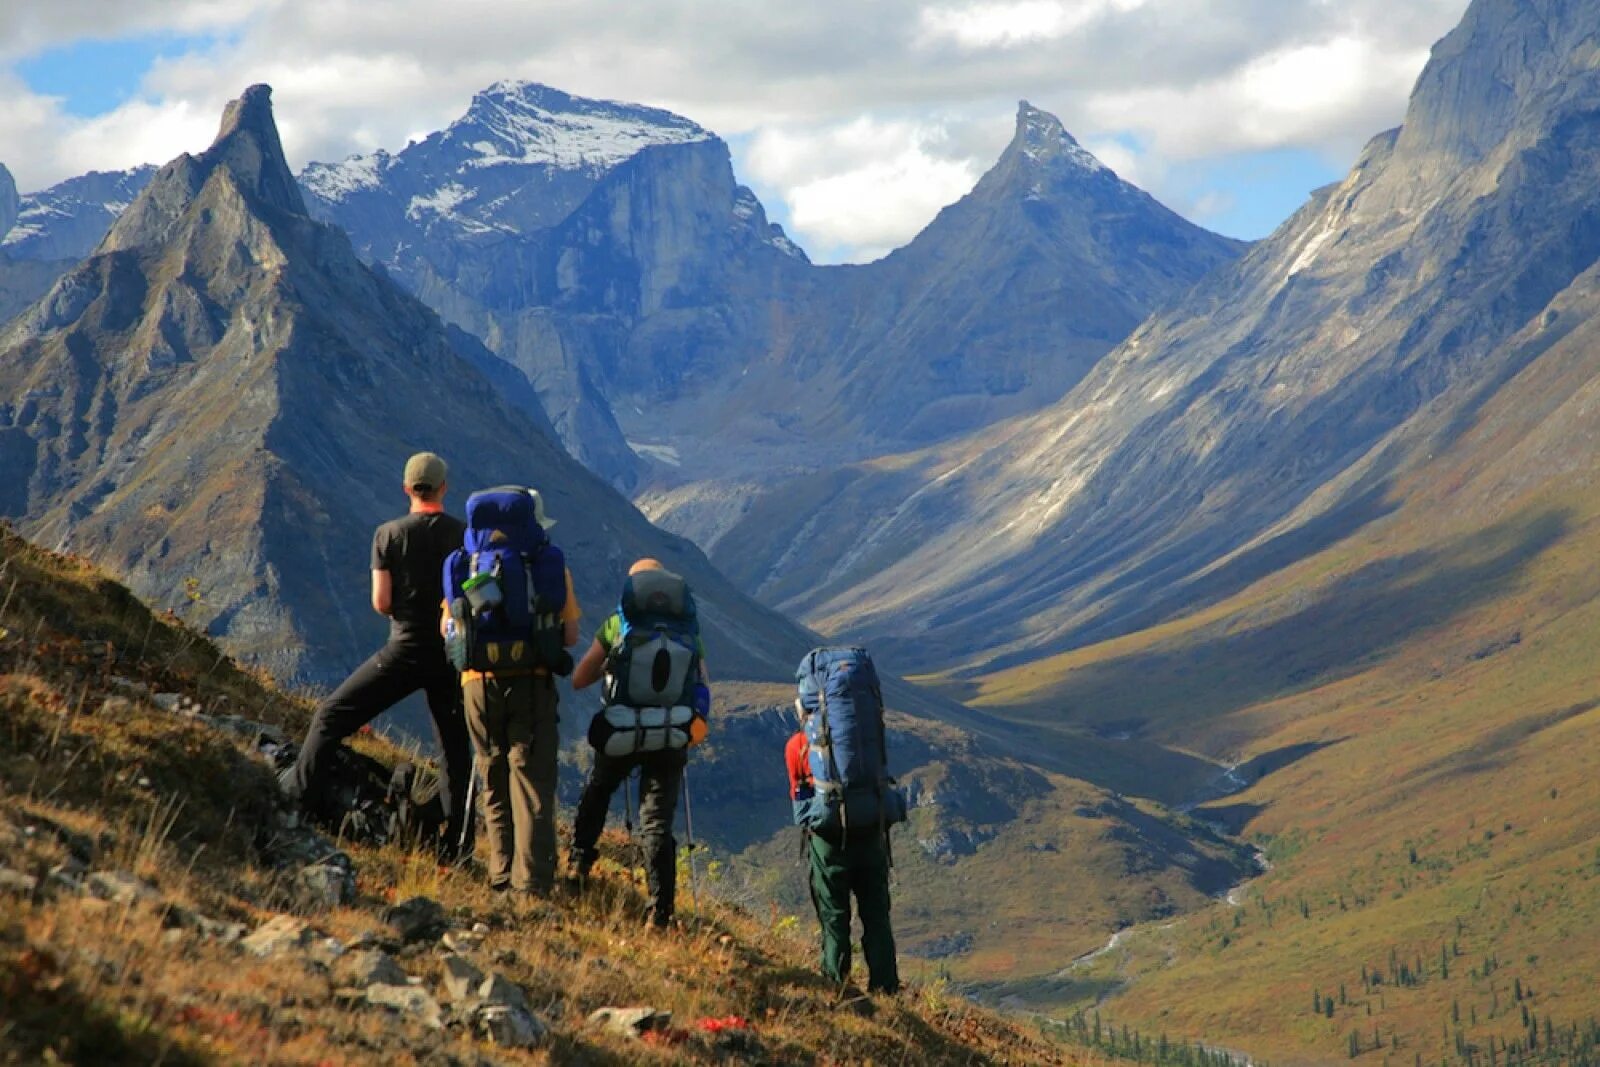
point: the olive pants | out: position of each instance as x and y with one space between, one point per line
513 722
857 864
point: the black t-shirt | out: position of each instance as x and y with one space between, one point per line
412 549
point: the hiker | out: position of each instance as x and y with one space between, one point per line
406 556
657 701
509 616
845 802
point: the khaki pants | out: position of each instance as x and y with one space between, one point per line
513 725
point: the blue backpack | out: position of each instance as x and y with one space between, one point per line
505 588
849 761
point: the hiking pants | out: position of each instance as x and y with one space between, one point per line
513 722
660 779
393 673
857 863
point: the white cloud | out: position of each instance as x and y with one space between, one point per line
866 186
991 25
934 80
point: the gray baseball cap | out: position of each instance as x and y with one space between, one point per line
425 470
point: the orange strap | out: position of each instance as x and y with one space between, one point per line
521 672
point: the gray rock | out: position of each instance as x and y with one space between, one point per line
462 941
121 887
167 701
213 929
509 1026
461 977
279 935
368 967
630 1022
409 1001
16 882
329 883
498 989
415 919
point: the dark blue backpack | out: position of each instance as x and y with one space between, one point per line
845 739
505 588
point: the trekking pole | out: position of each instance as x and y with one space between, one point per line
468 814
688 825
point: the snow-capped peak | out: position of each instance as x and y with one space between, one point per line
1043 139
528 123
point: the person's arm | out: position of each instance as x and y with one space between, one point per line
589 669
382 580
382 592
570 614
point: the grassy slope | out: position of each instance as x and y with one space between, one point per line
1421 707
84 981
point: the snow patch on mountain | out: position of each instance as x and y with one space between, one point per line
527 123
335 181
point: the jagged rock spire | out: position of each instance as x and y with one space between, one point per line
247 144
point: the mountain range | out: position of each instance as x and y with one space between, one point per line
216 401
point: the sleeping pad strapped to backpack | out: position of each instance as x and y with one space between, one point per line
505 588
845 741
654 699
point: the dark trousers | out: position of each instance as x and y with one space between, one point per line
856 864
393 673
513 723
660 778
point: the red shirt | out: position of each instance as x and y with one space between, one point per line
799 762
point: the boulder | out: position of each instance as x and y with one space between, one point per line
328 883
409 1001
509 1026
278 935
415 919
630 1022
461 977
369 967
120 887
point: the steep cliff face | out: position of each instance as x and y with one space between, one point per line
1208 448
216 405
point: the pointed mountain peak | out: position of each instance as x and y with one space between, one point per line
247 150
1042 140
247 144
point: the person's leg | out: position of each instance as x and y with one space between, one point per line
869 878
443 687
541 776
660 779
374 687
532 871
604 777
486 722
830 895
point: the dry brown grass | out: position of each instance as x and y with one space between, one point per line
132 787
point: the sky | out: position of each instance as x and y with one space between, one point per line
855 122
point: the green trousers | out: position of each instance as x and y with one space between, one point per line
513 726
857 864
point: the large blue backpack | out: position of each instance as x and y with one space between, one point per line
848 752
505 588
653 670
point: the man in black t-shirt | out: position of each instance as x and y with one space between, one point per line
407 564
